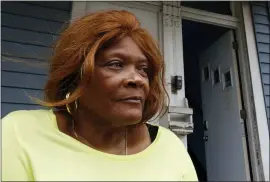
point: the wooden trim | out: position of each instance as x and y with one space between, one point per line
209 17
237 85
137 4
157 3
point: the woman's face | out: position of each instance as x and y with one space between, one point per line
119 86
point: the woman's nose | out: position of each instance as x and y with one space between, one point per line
134 79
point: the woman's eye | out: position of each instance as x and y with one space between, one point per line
144 69
115 64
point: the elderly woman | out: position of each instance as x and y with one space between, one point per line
105 83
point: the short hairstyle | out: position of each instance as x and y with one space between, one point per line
73 59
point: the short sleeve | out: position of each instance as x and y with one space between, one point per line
14 161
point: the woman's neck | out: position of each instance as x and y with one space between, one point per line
108 138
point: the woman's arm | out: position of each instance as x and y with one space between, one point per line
190 174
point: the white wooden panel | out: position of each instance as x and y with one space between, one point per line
178 62
209 17
173 50
78 9
148 19
168 49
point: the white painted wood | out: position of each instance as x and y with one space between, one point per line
180 124
239 100
260 117
184 139
244 71
168 46
173 50
178 62
168 51
226 151
157 3
180 110
143 5
209 17
78 9
148 19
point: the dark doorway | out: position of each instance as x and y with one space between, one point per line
197 37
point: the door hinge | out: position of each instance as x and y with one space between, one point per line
243 130
243 114
235 45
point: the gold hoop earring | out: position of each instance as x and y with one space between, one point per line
76 105
81 72
67 105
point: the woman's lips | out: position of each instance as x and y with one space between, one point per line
133 99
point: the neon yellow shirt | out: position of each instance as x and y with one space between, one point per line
33 149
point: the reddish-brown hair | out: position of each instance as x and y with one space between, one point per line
75 52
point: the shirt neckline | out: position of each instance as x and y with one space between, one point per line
91 150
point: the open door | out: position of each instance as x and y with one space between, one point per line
225 142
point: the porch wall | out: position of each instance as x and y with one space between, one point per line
261 24
28 32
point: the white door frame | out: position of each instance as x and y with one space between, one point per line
255 105
226 21
209 17
241 22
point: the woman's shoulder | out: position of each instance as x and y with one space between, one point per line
27 115
26 119
177 150
164 135
175 143
20 130
167 133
